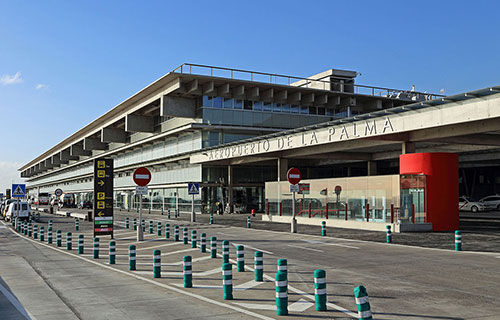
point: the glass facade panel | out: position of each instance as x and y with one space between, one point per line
276 107
257 105
228 103
294 108
217 102
267 106
238 104
285 107
207 101
304 110
248 105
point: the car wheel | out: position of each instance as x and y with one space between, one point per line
474 209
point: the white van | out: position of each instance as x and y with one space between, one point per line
24 210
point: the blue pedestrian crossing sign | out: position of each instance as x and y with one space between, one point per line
193 188
18 190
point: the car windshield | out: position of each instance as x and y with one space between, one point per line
469 199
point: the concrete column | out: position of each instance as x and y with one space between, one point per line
372 168
282 169
408 147
230 187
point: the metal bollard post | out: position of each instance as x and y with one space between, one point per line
69 244
362 303
30 229
58 238
187 271
149 209
168 214
227 281
131 257
143 225
225 251
211 218
161 210
127 223
388 234
185 235
167 231
458 240
112 252
96 248
323 228
158 228
42 234
134 224
281 293
213 247
203 242
157 264
240 258
177 213
320 289
176 233
249 225
193 239
50 223
49 235
77 224
35 231
283 266
80 244
150 226
258 266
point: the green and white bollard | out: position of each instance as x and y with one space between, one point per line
227 281
131 257
168 214
69 239
77 224
225 251
58 238
388 234
42 234
283 266
258 266
281 294
458 240
96 248
176 233
112 252
127 223
249 225
134 224
323 228
143 225
320 289
50 223
185 235
213 247
30 230
362 303
211 218
240 258
150 227
81 247
49 235
193 239
35 231
22 227
157 264
149 209
167 231
158 228
203 242
187 271
161 210
177 215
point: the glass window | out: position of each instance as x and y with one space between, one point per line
267 106
257 105
285 107
207 101
330 112
294 108
304 110
228 103
217 102
238 104
313 110
248 105
321 111
277 107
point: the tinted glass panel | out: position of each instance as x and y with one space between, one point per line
248 105
267 106
277 107
217 102
321 111
257 105
285 107
304 110
238 104
330 112
312 110
294 109
228 103
207 101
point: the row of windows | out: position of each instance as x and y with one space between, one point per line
229 103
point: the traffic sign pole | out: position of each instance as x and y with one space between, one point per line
141 176
140 235
193 216
293 176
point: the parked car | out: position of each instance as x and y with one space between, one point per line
491 202
12 211
85 204
5 206
468 204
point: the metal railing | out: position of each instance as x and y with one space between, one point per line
256 76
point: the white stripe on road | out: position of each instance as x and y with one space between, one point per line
162 245
304 248
253 248
248 285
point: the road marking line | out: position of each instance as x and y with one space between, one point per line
193 260
13 300
330 244
209 272
300 306
304 248
248 285
253 248
256 306
201 286
162 245
159 284
168 253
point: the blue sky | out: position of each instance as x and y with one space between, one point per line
64 63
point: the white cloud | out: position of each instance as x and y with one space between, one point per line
8 79
41 86
9 175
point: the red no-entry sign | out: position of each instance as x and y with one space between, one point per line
142 176
293 175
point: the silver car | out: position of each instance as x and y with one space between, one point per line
491 202
467 204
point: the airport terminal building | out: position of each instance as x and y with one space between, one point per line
399 156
